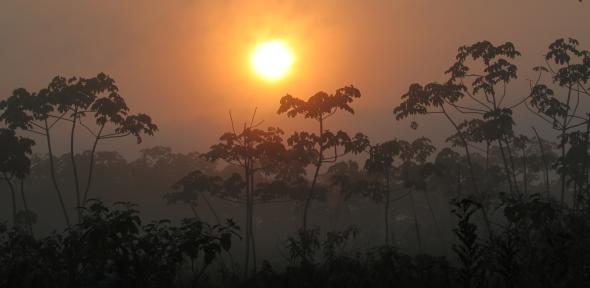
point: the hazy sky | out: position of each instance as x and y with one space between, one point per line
185 62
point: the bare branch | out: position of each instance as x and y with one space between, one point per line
253 115
58 118
88 128
503 94
552 123
232 124
115 135
275 201
475 99
34 132
230 200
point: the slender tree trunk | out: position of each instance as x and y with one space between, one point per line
513 170
247 234
416 225
26 206
253 243
487 155
217 219
315 177
459 186
524 169
53 178
562 196
91 165
506 169
438 230
563 142
74 167
12 197
545 164
466 147
310 195
471 171
252 223
586 139
194 210
386 216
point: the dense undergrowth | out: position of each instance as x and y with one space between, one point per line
541 245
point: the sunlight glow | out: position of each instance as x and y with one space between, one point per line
272 60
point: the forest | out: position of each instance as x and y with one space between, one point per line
497 204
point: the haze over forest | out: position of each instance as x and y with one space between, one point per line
404 143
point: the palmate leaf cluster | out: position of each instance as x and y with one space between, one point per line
321 104
74 98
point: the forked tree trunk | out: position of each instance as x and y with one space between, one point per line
91 166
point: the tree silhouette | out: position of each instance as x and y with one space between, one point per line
559 107
34 113
70 100
380 162
15 163
312 147
380 176
473 93
254 151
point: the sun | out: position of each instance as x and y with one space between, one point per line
272 60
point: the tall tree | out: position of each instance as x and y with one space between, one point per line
70 100
380 163
479 96
569 69
35 113
254 151
313 148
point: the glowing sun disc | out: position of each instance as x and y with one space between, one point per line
272 60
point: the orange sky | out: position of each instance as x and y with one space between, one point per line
186 62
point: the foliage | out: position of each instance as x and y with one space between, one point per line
112 248
493 175
469 251
14 156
